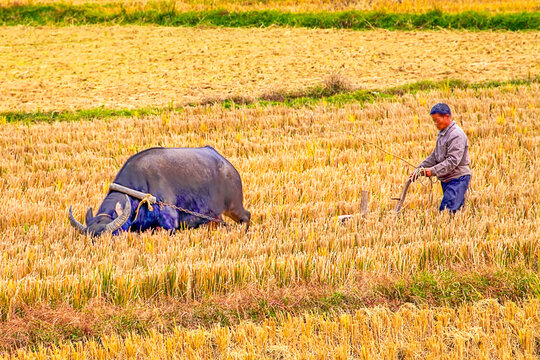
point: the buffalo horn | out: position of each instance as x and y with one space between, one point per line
77 225
120 220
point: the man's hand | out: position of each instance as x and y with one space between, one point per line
419 172
414 176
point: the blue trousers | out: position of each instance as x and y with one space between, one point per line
454 193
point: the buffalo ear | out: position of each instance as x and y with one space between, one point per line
89 215
118 209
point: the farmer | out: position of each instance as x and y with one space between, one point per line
449 162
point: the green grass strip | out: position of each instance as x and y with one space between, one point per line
336 96
328 94
450 288
76 115
161 14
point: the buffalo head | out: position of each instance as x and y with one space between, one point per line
102 223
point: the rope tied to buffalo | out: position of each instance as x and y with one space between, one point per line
150 199
194 213
145 199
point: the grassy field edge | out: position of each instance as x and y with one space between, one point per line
34 325
333 91
65 14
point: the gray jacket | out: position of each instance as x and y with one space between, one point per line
450 159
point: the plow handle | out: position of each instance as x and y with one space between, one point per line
399 205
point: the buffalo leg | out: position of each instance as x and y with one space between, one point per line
216 224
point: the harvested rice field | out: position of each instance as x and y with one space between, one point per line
483 330
312 118
418 6
298 279
59 68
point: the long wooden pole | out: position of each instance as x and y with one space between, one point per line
136 194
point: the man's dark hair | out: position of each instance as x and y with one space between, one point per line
440 108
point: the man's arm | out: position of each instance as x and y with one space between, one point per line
455 151
429 161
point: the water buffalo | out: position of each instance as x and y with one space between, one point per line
197 179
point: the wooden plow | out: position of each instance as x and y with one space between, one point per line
365 198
